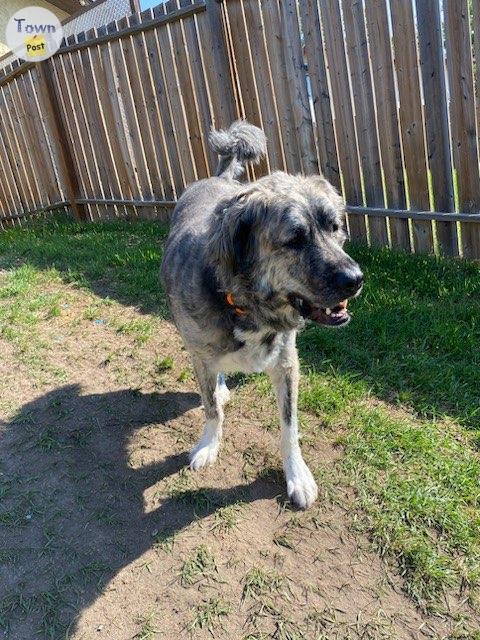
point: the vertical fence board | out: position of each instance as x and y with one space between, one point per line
317 71
120 184
49 98
142 122
344 122
462 119
362 95
266 92
72 114
187 88
128 98
411 119
78 89
244 69
11 155
298 88
385 102
13 144
45 159
164 181
99 147
114 117
436 118
163 112
23 153
13 200
214 51
476 61
175 98
40 166
200 84
276 55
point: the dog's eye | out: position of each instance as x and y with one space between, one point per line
335 227
297 240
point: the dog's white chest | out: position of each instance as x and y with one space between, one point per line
259 352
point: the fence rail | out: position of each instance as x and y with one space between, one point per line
379 95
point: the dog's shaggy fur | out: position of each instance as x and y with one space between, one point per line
244 265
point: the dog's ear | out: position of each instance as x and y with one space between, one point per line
233 242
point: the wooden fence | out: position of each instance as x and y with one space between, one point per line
379 95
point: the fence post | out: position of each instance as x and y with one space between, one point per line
60 139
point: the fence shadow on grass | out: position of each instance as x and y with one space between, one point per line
118 259
72 513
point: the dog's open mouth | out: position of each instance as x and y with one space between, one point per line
336 316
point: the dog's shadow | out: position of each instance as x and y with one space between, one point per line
72 507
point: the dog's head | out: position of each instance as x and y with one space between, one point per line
278 246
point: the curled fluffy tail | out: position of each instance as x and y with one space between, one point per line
237 145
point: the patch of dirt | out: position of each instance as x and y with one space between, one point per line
100 522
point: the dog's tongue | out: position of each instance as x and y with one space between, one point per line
334 317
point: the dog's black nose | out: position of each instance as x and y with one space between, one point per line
348 281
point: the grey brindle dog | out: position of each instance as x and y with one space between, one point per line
244 266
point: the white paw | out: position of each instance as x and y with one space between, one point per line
301 487
222 394
203 455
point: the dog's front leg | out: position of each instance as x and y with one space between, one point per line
214 394
301 487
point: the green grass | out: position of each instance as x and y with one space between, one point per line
413 338
398 388
418 485
209 613
119 258
260 583
148 628
198 567
227 518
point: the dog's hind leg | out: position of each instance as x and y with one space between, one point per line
212 390
301 487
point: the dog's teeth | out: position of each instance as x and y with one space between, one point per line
328 311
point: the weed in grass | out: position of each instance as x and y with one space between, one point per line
199 566
9 556
162 365
184 375
329 396
107 516
226 518
148 628
12 518
284 539
180 484
285 629
164 540
49 440
261 582
326 625
139 328
209 614
45 605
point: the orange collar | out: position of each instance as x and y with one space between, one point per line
238 310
